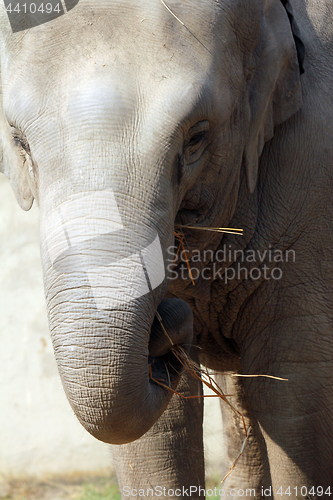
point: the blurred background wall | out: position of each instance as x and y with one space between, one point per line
39 433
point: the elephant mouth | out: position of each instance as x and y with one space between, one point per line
172 327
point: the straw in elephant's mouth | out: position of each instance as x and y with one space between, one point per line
203 375
180 237
228 230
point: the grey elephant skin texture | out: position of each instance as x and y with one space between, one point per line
124 120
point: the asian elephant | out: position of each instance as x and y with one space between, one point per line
127 119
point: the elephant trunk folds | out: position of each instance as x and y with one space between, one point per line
102 288
103 363
103 359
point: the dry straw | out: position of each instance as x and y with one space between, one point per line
181 238
228 230
203 375
184 25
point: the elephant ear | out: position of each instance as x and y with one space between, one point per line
12 162
275 90
2 166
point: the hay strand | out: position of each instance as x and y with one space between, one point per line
257 375
228 230
184 25
239 455
181 238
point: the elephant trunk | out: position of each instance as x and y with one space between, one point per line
103 287
104 366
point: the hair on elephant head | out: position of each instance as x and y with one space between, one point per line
123 123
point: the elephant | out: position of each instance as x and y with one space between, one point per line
129 122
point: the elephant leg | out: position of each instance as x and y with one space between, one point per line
170 455
251 470
295 416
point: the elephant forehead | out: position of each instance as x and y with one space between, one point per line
126 32
108 96
125 64
99 95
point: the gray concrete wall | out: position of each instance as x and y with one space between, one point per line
38 431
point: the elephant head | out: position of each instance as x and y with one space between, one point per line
119 120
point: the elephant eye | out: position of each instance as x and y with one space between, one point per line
197 142
20 140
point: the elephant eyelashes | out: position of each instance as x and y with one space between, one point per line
197 142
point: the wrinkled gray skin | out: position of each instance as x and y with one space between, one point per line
109 97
